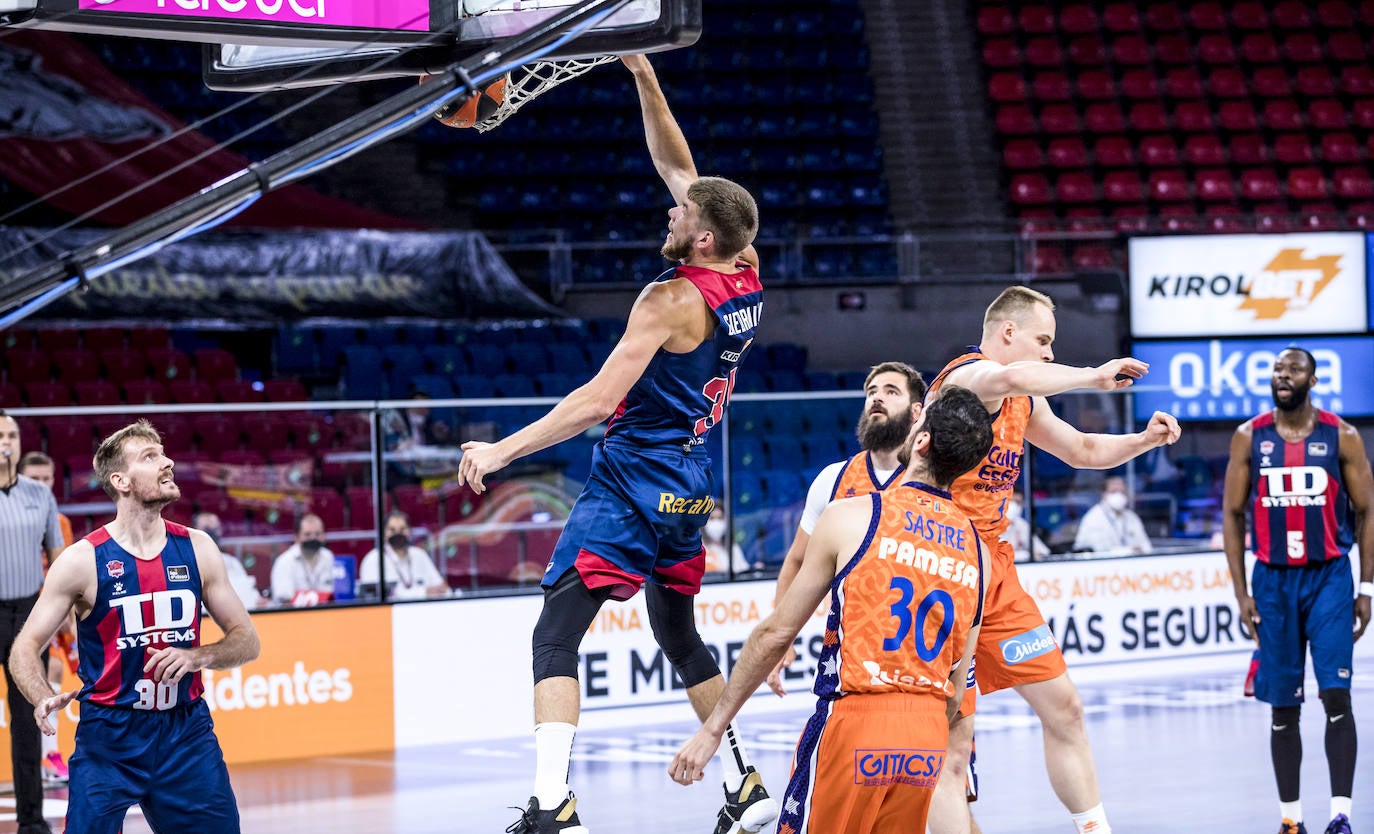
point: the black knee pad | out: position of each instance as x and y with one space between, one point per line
675 628
1286 719
569 608
1336 701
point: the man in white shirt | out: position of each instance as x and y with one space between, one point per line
410 573
303 574
1018 533
1110 525
245 586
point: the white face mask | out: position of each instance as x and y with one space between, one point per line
1013 509
715 528
1116 501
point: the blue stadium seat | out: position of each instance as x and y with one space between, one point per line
514 385
445 359
294 350
474 387
485 359
362 373
555 384
747 453
528 358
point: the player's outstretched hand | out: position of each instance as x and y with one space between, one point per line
1163 429
690 762
635 63
1120 373
56 703
1249 617
171 664
479 460
775 676
1361 616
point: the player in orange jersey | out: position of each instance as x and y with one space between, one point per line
904 572
1012 371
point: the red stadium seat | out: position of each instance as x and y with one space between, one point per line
1237 115
1367 13
150 338
1183 83
1123 187
178 434
168 363
1282 115
1068 152
1180 218
76 365
1354 183
214 364
1015 120
329 506
1164 17
1059 119
1303 48
1259 184
1048 260
1095 85
1169 186
1291 14
1037 20
1140 85
237 391
1022 155
1341 148
11 396
1327 114
1249 16
995 20
1201 149
97 392
1316 81
1114 152
1148 116
1214 185
1363 114
1104 118
1076 187
27 365
1207 16
1030 190
1131 51
216 433
124 364
1052 86
1224 219
1361 215
1093 256
145 392
1320 217
1358 81
1307 184
68 437
47 395
1193 117
1034 221
191 391
1270 82
1273 217
1084 219
1249 149
1087 51
101 339
1346 47
1174 50
1006 87
285 391
1121 17
1292 148
1216 50
1001 53
1078 19
1260 49
1044 52
1158 151
1227 82
1131 218
1335 14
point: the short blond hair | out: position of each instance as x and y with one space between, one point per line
109 457
728 210
1014 303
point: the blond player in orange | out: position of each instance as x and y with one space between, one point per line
1012 371
903 569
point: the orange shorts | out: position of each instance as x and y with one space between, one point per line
1015 645
64 646
866 764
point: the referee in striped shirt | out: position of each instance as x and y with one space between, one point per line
29 526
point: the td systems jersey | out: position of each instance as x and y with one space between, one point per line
983 491
141 606
1301 513
681 396
902 607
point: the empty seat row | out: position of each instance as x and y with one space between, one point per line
1177 84
1162 150
1125 17
1172 185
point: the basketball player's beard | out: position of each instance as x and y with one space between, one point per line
675 250
884 435
1297 396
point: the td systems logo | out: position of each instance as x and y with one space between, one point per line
1290 281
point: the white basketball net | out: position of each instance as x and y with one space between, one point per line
532 80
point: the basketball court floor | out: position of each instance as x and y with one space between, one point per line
1182 752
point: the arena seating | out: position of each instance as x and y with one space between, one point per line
1198 114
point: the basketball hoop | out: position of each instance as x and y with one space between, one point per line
533 80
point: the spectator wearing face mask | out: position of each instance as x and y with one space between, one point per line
245 586
303 574
720 554
1018 533
1110 525
410 573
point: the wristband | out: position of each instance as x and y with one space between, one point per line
1366 589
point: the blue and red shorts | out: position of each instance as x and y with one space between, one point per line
1300 606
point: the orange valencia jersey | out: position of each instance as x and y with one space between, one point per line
983 491
902 606
858 477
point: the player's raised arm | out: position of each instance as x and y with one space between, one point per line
1359 485
70 579
1082 450
668 147
1236 492
993 381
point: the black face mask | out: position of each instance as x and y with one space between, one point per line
399 541
310 547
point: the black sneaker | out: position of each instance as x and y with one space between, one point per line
1290 827
561 820
1340 825
749 809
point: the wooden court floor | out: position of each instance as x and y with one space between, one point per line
1184 754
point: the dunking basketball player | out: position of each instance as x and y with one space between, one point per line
1303 471
145 735
1012 371
903 568
638 520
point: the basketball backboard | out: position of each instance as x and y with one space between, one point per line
273 44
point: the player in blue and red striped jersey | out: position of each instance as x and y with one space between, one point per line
638 521
1303 474
137 585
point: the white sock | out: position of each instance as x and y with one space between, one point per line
1340 805
732 758
552 752
1091 821
1291 810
